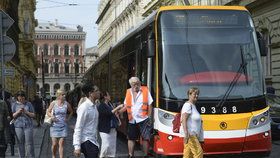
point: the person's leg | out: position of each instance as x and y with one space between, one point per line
196 147
3 148
131 145
89 149
146 130
3 144
28 132
20 139
54 146
61 147
133 134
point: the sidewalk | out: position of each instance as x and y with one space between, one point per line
38 135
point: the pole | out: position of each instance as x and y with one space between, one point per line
43 75
2 57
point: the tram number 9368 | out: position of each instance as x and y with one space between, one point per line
214 110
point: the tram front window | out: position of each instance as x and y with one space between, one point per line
210 56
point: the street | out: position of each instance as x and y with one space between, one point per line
42 143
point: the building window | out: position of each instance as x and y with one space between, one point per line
66 50
47 88
266 60
56 87
76 50
46 68
55 49
46 49
66 68
76 68
56 68
67 87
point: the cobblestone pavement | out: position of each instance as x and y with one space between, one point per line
38 134
68 147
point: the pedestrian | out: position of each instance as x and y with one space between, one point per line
23 113
192 126
137 103
38 107
108 122
85 137
4 126
58 131
11 132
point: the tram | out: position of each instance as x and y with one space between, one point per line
214 48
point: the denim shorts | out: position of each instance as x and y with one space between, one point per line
143 128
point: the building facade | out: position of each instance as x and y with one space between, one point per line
59 51
90 56
117 17
22 33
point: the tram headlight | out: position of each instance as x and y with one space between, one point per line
165 118
259 120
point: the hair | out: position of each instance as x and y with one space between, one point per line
21 93
59 92
193 89
133 80
88 87
103 95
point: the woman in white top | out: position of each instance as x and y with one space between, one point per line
192 126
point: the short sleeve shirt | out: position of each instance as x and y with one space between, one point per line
23 120
137 106
194 120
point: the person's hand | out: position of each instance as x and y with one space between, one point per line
119 107
77 153
53 119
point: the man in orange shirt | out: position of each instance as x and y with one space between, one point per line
137 103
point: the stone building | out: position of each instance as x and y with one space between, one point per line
22 33
59 50
90 56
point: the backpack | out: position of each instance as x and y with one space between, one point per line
176 123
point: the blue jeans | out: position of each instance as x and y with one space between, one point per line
25 139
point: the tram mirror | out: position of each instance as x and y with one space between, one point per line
151 45
262 45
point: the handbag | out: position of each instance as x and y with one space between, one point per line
176 123
47 120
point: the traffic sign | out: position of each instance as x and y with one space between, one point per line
9 72
9 48
7 21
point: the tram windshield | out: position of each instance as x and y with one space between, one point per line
213 50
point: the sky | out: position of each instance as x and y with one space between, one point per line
71 13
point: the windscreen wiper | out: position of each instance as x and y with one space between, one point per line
235 79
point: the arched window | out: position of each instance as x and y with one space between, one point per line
56 87
47 88
46 49
67 87
55 49
76 50
66 50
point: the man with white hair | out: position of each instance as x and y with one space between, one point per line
137 103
